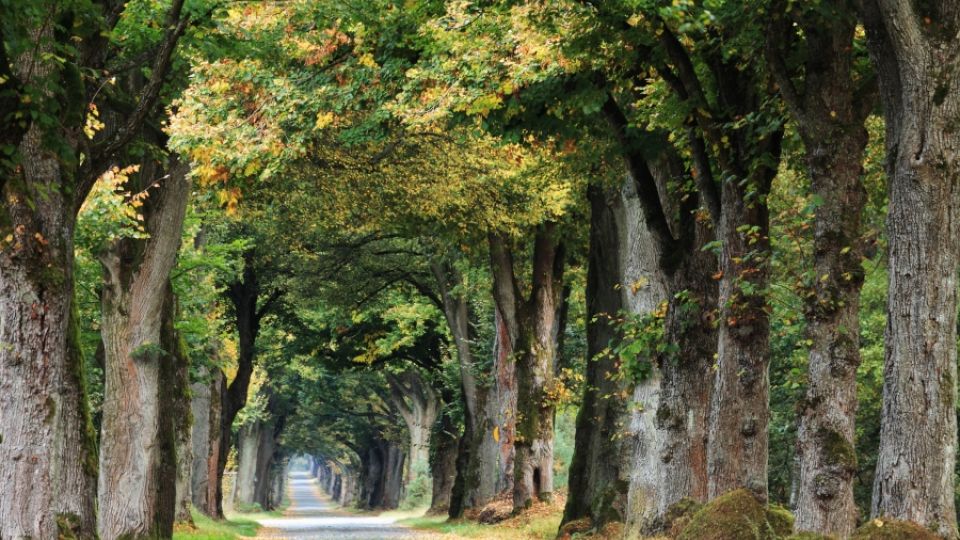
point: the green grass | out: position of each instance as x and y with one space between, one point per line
210 529
535 528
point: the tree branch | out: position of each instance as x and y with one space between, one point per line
176 24
639 170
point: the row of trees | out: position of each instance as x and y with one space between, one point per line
420 192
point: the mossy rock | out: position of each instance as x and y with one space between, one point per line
738 515
679 515
807 535
884 529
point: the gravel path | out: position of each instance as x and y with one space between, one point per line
314 516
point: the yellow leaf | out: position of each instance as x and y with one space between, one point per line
324 119
496 433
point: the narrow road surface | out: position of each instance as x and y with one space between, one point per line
312 515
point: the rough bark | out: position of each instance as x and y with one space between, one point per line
135 277
47 450
418 405
249 439
394 459
830 114
599 479
248 312
174 389
643 289
206 440
485 452
746 162
913 45
443 460
531 327
739 415
265 462
494 453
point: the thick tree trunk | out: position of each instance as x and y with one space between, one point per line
175 390
686 368
644 289
47 450
914 49
494 452
372 474
531 326
418 404
135 277
485 452
830 116
249 440
244 296
173 485
267 459
394 458
443 461
683 413
599 477
739 415
206 407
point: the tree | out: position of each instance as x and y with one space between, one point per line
911 46
48 50
830 112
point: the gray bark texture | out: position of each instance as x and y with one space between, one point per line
531 324
644 290
418 405
248 442
135 278
914 48
830 116
47 448
485 455
443 460
206 441
599 476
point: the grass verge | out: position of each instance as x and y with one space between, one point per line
206 528
536 526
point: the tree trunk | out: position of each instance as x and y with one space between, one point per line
686 368
599 477
206 407
531 325
394 458
135 276
173 485
443 461
485 452
372 463
739 415
830 116
47 449
244 296
644 289
248 447
417 403
914 50
683 413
